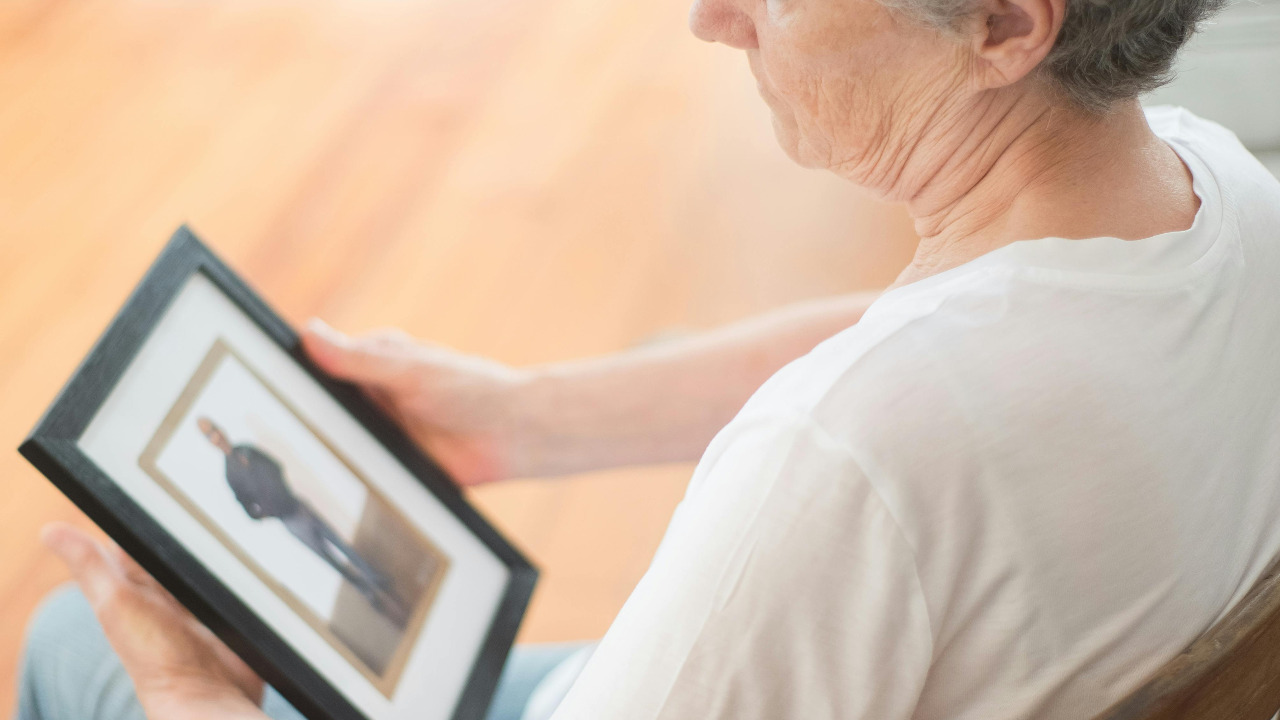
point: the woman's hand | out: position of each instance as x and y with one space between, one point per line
464 411
482 420
180 670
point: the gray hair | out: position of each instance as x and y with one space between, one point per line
1107 50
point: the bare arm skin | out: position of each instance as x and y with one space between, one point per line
484 421
665 403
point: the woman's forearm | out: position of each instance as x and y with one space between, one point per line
664 403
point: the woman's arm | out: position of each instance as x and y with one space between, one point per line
485 421
664 403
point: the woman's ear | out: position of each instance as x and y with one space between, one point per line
1011 37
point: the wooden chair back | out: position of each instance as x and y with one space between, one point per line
1231 673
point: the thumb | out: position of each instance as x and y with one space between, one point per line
89 563
380 360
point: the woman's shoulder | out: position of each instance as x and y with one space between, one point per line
1242 177
1172 121
928 374
883 386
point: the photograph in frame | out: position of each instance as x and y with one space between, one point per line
280 497
282 507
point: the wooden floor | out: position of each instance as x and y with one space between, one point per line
528 179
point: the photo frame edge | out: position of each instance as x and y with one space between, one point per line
86 389
166 560
68 415
474 702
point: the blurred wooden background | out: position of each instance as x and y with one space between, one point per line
528 179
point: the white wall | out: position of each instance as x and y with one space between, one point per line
1230 73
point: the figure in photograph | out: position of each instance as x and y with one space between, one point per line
260 486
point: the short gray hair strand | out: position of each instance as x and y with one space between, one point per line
1107 50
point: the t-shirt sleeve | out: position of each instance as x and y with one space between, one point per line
784 588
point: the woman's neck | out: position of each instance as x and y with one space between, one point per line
1027 169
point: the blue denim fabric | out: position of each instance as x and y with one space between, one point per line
70 672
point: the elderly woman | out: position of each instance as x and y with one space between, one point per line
1011 486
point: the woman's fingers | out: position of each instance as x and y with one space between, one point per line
93 569
93 561
161 645
381 359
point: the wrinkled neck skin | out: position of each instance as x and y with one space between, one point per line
1015 164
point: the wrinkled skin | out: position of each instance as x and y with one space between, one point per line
852 86
960 125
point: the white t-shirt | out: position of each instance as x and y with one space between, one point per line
1013 490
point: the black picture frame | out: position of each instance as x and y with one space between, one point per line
52 448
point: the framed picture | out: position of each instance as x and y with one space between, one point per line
280 506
